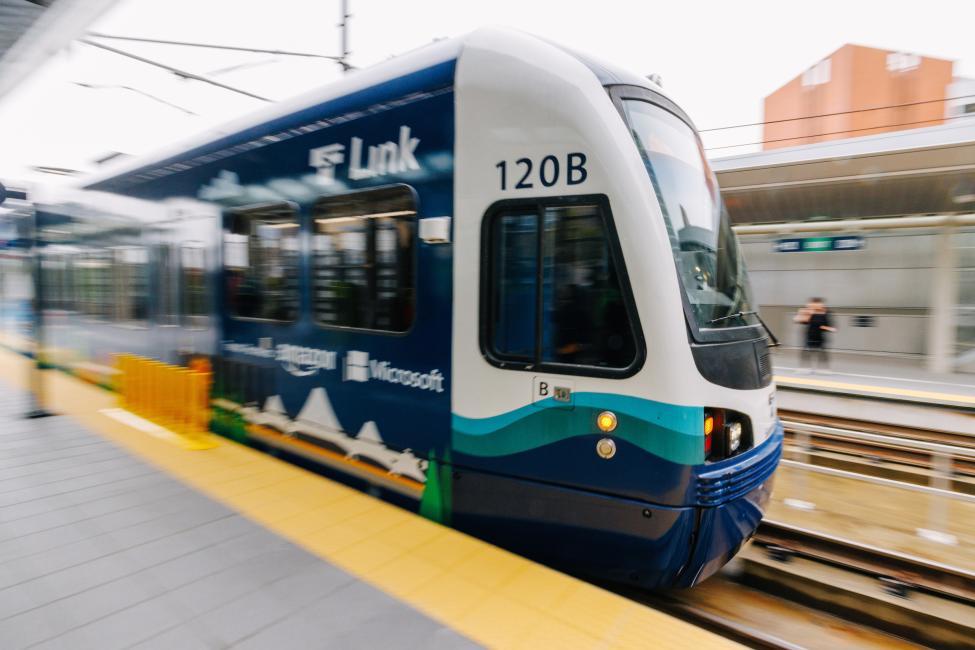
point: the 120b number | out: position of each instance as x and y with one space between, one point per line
549 171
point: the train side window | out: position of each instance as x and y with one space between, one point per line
130 270
167 298
363 256
261 257
93 278
193 285
54 267
555 297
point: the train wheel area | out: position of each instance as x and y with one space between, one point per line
112 535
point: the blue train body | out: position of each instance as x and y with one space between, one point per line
401 408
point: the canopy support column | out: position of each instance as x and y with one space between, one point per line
942 325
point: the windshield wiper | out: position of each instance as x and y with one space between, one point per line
742 314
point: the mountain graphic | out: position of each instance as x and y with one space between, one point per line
274 415
408 465
317 419
274 405
369 444
318 411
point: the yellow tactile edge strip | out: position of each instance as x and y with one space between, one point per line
879 390
491 596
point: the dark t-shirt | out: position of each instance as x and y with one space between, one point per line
815 335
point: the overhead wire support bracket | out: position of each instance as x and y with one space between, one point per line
176 71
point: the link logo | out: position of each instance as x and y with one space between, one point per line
359 367
378 160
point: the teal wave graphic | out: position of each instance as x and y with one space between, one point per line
669 431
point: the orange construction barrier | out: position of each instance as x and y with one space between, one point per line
173 397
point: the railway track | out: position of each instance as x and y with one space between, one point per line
901 573
796 588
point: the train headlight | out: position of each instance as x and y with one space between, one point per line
606 448
734 436
606 421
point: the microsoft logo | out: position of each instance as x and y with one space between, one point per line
356 366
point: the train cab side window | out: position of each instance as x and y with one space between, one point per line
363 259
556 297
515 298
193 285
584 318
261 257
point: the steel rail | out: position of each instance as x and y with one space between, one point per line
917 573
887 482
720 625
894 442
939 436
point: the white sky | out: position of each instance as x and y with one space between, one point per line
718 59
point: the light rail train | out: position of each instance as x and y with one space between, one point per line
492 279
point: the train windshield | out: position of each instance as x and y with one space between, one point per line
709 262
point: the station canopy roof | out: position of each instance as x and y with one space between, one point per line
927 171
33 30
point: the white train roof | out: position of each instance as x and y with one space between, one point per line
414 61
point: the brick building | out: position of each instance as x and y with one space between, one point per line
858 78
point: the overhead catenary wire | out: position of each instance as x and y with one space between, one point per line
819 135
176 71
213 46
849 112
91 86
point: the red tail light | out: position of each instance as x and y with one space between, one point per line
713 426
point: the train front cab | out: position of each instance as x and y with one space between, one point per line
552 196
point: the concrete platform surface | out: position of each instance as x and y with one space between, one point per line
100 550
878 378
112 537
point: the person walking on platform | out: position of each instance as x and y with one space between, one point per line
815 316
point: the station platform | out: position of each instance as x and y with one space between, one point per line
876 389
880 378
111 536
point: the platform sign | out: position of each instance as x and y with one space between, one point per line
819 244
